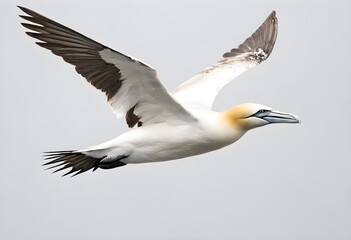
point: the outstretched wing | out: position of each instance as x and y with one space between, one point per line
201 90
132 87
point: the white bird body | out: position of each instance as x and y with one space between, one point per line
170 142
164 126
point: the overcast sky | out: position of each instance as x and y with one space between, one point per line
277 182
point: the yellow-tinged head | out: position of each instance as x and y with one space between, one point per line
251 115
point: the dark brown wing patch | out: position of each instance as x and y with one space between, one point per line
261 42
132 119
75 49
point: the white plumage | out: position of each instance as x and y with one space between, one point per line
165 126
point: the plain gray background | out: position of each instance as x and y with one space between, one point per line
277 182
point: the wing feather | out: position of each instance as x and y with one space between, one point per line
131 86
200 91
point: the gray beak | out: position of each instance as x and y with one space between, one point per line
280 117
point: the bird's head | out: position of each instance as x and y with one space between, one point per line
251 115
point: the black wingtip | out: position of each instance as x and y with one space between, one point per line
260 44
26 10
273 16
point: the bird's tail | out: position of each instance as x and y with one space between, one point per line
79 162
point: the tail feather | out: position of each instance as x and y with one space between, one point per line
77 161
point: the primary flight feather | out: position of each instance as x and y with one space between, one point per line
165 126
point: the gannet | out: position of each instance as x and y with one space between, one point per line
164 125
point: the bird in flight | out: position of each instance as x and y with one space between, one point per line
164 125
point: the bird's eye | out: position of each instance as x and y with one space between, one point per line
261 112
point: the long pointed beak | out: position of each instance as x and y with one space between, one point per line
280 117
